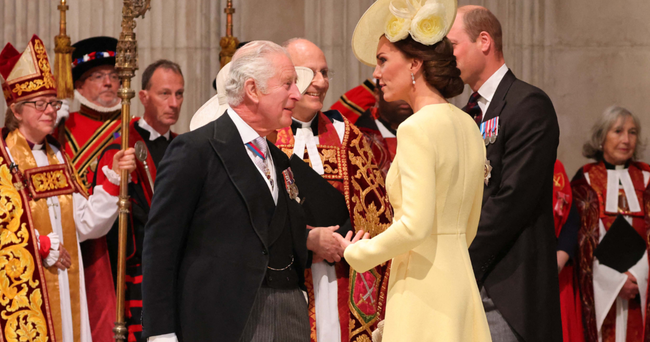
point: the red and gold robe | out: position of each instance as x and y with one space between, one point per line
33 305
589 194
569 294
349 168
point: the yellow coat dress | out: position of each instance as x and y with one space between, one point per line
435 186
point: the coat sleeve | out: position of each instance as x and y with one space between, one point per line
528 157
179 184
94 216
416 161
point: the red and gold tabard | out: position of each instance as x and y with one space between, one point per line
87 133
589 197
30 302
349 167
355 101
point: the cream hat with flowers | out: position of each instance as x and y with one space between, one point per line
218 104
427 21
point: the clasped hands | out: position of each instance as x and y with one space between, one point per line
630 289
327 244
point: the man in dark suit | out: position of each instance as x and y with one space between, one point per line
513 254
225 246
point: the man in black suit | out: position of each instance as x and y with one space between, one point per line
225 246
513 254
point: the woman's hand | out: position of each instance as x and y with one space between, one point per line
64 262
348 239
124 160
630 289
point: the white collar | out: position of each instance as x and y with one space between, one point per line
153 134
306 124
488 88
620 177
384 130
84 101
246 132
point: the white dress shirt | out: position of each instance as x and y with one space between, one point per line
490 86
153 134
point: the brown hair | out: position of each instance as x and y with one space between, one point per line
161 63
439 64
11 123
479 20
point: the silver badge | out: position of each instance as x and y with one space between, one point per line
487 171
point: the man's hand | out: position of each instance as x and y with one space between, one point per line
630 289
64 262
562 258
124 160
321 241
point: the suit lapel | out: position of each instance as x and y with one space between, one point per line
499 98
242 172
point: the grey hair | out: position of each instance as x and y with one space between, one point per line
251 61
593 148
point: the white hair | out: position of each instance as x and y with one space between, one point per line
253 60
593 148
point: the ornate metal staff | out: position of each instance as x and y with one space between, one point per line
126 63
63 66
228 43
63 58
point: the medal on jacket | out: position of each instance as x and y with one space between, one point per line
487 171
490 130
290 184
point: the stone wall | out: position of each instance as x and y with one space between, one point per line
586 54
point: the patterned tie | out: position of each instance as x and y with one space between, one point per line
472 108
260 150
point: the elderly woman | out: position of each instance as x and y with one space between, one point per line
44 208
614 303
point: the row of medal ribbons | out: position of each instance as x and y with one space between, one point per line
490 130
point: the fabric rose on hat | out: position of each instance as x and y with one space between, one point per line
426 23
397 28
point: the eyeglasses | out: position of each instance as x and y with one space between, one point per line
326 73
41 105
99 76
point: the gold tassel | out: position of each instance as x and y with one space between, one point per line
63 67
63 59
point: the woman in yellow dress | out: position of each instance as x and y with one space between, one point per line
435 183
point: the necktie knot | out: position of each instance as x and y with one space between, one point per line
473 109
259 147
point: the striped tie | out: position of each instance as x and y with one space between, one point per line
260 150
472 108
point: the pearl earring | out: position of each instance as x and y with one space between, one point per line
413 78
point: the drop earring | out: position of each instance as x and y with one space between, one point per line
413 78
